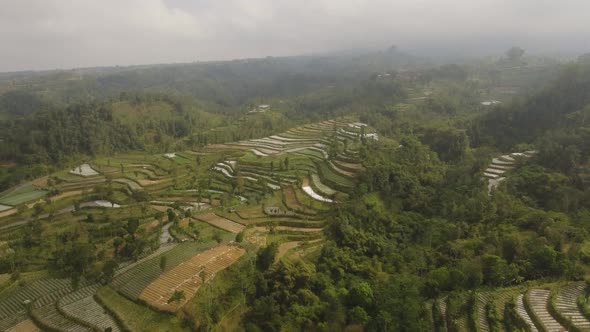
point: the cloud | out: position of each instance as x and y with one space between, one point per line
43 34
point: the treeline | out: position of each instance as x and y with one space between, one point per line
561 105
52 135
227 83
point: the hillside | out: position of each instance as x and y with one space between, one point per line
405 200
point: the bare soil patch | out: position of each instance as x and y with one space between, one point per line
189 276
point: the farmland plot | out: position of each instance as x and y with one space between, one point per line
317 182
19 198
189 276
84 170
80 305
25 326
134 279
220 222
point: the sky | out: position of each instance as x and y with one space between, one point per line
61 34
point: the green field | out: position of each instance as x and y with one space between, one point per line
137 317
22 197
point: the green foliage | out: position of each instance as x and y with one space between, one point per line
177 296
266 256
240 237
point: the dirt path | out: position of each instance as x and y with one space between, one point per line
165 237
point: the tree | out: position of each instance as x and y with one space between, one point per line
177 296
108 270
163 261
240 184
496 271
171 215
117 242
266 256
37 209
358 315
217 237
132 226
361 295
514 53
240 237
159 216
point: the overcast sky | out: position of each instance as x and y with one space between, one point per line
48 34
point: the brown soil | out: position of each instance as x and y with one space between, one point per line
187 277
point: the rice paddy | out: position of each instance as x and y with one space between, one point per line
276 188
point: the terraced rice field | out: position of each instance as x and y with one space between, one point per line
12 307
496 171
309 190
69 194
44 312
566 304
4 207
334 179
284 247
353 167
133 280
23 197
442 305
130 183
84 170
25 326
82 306
220 222
188 277
481 300
317 182
292 202
50 319
538 300
523 314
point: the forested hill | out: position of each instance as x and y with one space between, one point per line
227 83
49 136
565 103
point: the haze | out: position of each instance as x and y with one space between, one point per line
48 34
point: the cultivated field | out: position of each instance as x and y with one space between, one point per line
22 197
189 276
220 222
84 170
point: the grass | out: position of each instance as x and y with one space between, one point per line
136 317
